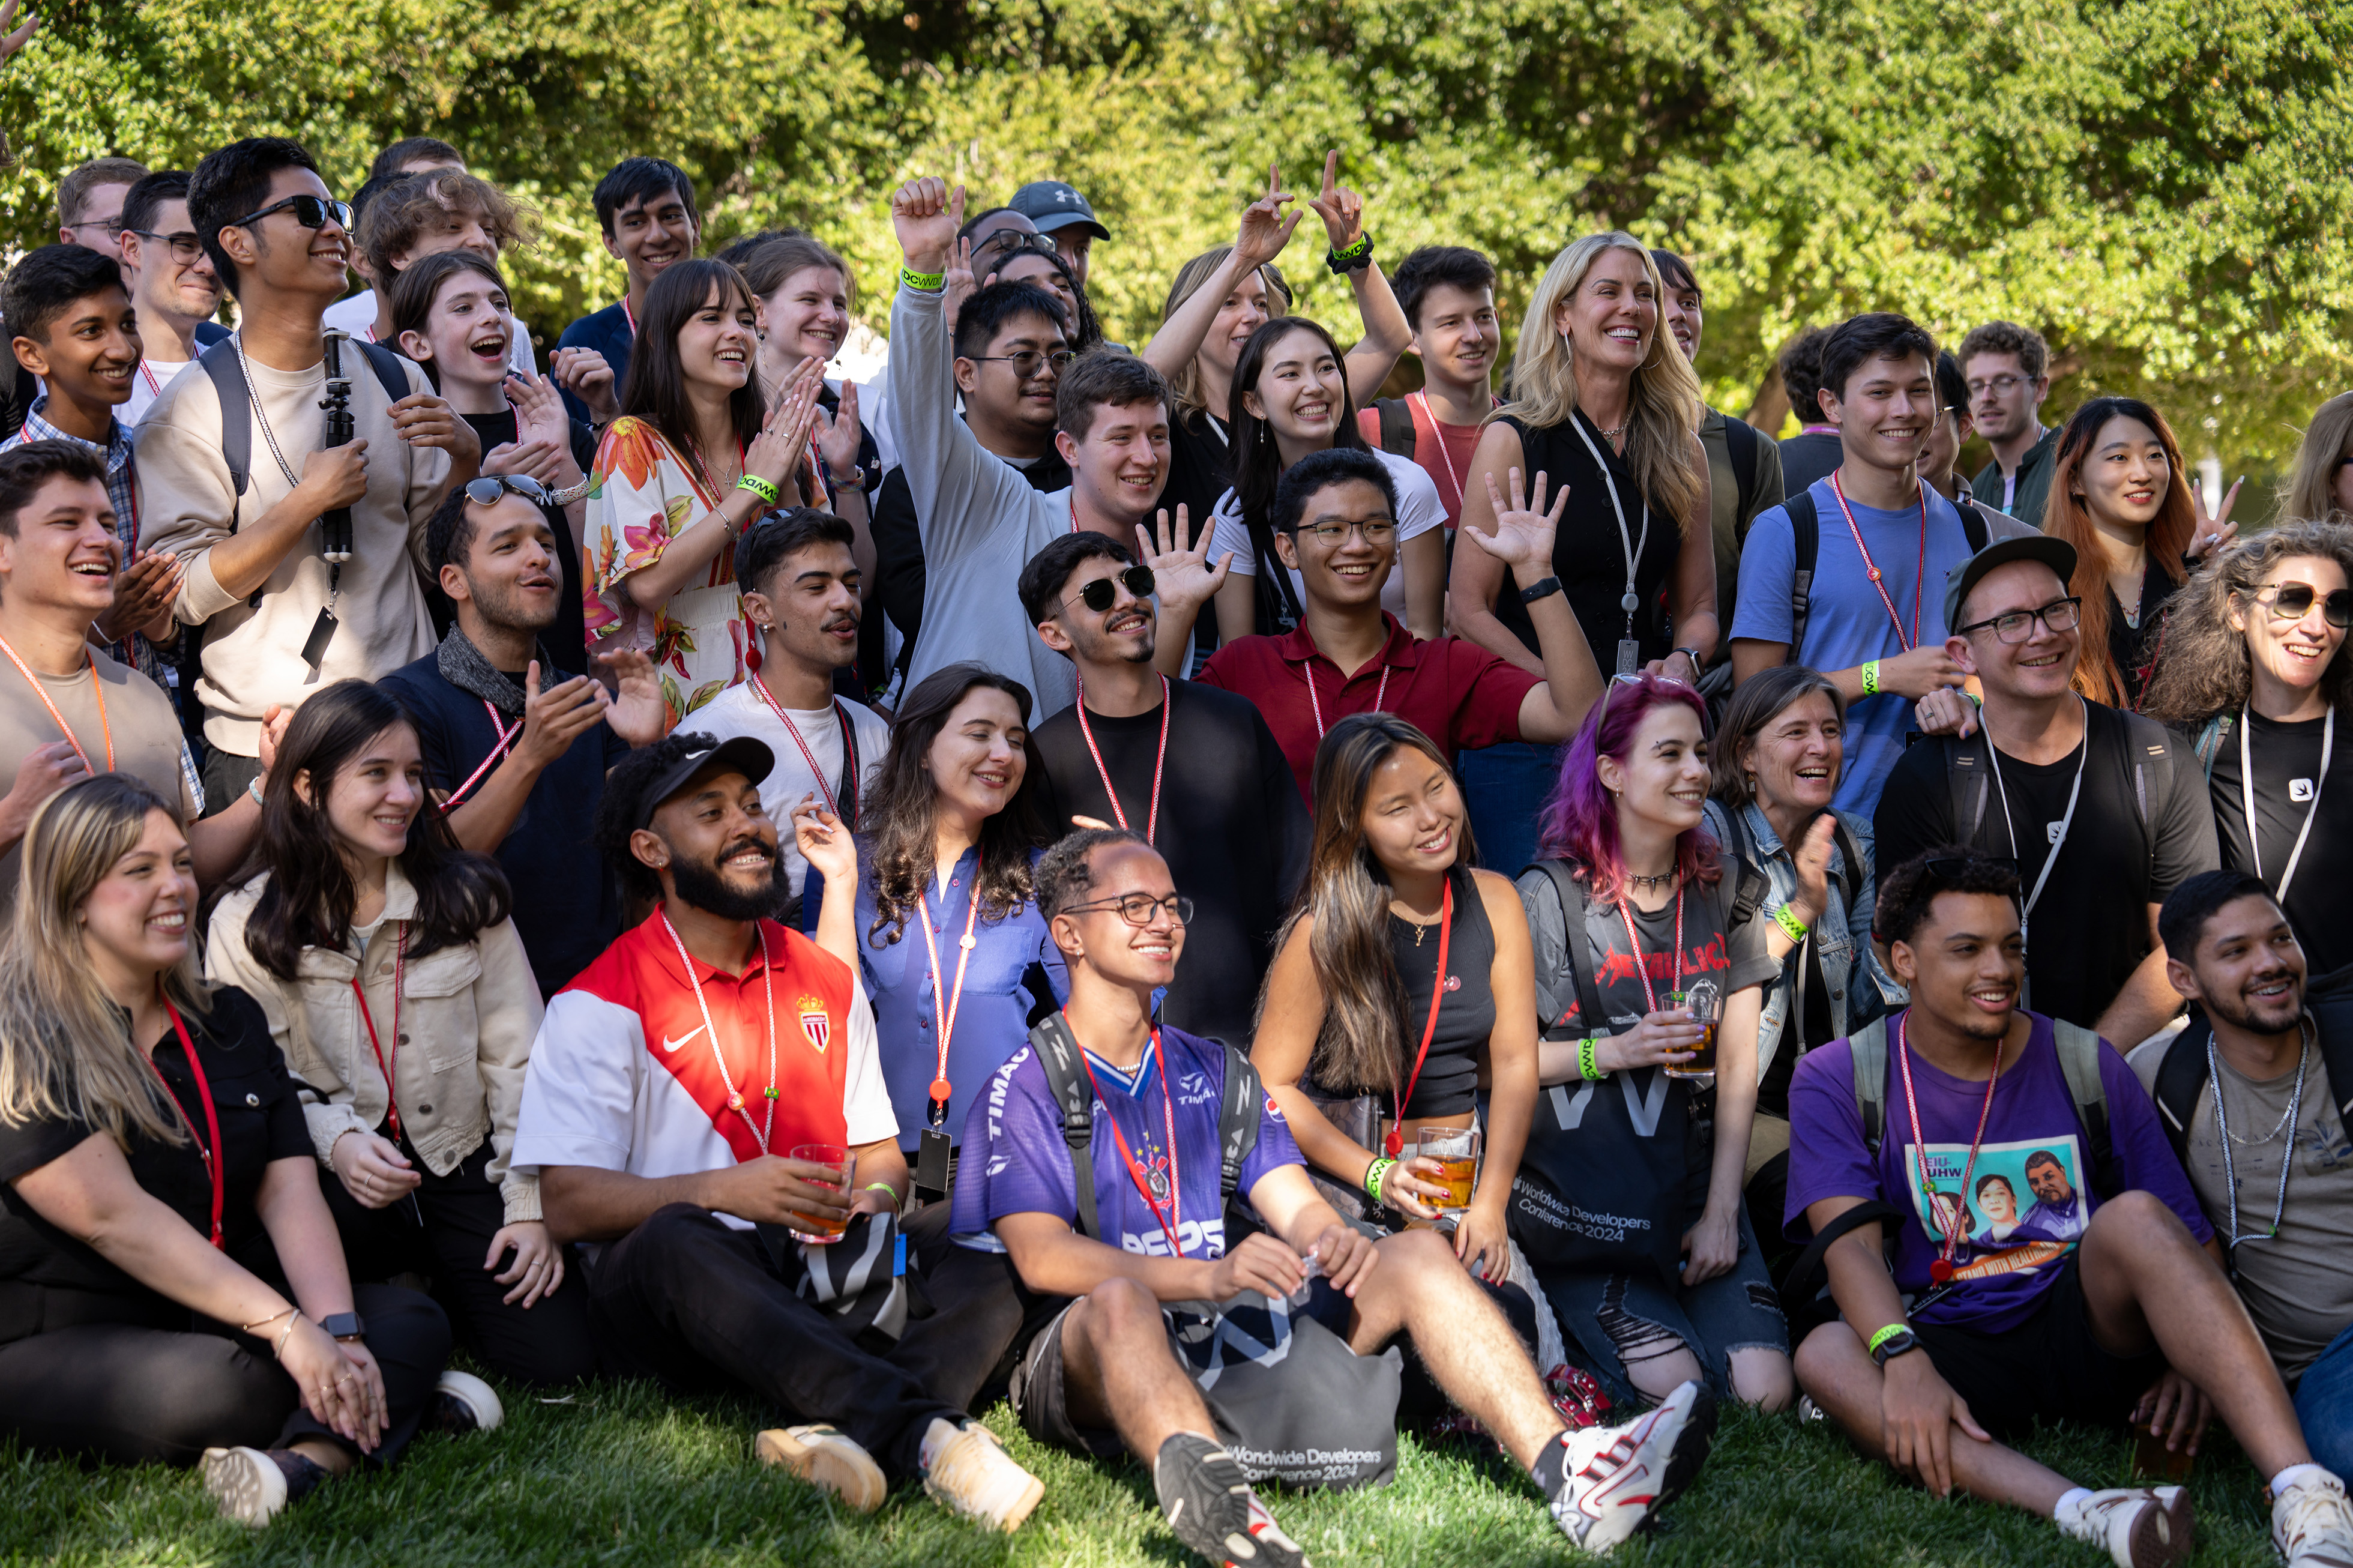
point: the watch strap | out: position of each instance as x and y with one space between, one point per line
1545 589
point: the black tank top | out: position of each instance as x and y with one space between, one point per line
1467 1015
1587 555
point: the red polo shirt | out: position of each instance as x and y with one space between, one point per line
1454 692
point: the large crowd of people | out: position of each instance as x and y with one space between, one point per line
1135 881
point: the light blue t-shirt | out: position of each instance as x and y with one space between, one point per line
1846 623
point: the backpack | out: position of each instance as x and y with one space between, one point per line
1806 529
2182 1074
1968 766
1396 416
1741 441
223 363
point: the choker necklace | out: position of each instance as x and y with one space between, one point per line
1662 880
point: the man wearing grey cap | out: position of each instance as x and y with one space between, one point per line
1064 215
2099 809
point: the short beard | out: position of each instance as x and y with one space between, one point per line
703 886
503 610
2239 1016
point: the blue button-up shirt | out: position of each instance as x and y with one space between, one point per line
992 1019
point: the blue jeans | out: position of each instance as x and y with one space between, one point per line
2324 1405
1505 787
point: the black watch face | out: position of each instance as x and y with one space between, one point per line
344 1326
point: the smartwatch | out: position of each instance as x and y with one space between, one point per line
1537 591
1893 1346
344 1326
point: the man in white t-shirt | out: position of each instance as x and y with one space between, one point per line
800 589
173 287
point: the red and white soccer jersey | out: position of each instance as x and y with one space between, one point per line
623 1076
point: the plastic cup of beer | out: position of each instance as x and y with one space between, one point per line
838 1165
1704 1002
1455 1151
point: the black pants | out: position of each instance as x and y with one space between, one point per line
699 1305
443 1229
134 1393
226 776
982 1315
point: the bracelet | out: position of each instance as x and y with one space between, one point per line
254 789
1870 678
1889 1332
278 1350
1587 1067
929 282
761 488
1353 258
1375 1174
264 1322
1544 589
571 492
885 1187
855 479
1789 923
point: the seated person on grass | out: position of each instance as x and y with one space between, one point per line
1105 1373
1972 1341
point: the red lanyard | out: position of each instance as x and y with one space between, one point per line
848 744
210 1155
1956 1227
944 1008
1395 1143
383 1063
627 316
1918 583
1159 760
1307 673
97 691
1169 1221
1641 970
498 753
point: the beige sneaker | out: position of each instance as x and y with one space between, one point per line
245 1483
2312 1524
971 1474
2142 1527
826 1460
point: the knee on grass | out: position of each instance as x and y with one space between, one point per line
1760 1375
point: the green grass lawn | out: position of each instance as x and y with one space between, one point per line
624 1475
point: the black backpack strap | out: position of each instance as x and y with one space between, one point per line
2180 1077
1066 1074
1397 426
1810 1276
1974 525
1806 538
1748 898
1576 951
1851 855
391 369
2079 1060
1740 440
1868 1046
228 372
1238 1116
1965 767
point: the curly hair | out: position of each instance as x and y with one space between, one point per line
2068 516
2204 668
1907 892
409 209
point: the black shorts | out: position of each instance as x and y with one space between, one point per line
2047 1368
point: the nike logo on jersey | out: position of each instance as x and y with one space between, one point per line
671 1045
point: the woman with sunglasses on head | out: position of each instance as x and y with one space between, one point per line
171 1291
391 977
702 450
1643 934
2254 670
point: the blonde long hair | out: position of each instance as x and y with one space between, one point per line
1187 383
2310 488
66 1050
1664 410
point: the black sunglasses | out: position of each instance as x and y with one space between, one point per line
486 491
2293 601
309 211
1099 595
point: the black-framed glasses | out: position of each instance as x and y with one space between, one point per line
1100 594
1375 530
2293 601
1008 243
184 245
486 491
1137 908
309 211
1026 361
2059 615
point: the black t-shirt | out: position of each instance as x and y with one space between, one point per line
260 1120
1199 469
1589 554
1450 1072
2134 648
2287 774
2093 913
898 569
1799 1035
568 638
1231 825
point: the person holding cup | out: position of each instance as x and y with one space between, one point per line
1650 962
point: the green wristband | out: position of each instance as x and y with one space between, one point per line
887 1189
761 488
928 282
1588 1068
1789 923
1886 1334
1870 678
1374 1172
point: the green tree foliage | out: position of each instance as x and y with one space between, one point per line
2160 186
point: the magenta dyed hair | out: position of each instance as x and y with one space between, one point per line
1579 823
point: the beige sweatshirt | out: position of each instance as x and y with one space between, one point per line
187 503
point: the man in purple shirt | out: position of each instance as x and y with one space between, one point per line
1105 1374
2131 1316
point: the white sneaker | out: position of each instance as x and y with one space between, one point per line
2142 1527
971 1474
246 1483
828 1460
463 1403
1616 1479
2312 1524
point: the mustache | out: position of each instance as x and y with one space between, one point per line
748 843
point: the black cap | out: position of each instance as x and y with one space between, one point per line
1051 204
2056 554
743 752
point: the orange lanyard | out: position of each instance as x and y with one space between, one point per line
945 1007
97 692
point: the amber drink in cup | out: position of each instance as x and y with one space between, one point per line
1455 1151
838 1165
1704 1001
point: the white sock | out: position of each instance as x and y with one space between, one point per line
2296 1475
2073 1495
936 1436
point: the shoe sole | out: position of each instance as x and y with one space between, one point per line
2165 1535
1687 1453
849 1475
477 1395
247 1485
1211 1515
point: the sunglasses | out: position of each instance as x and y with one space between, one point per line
1026 362
309 211
486 491
2293 601
1100 594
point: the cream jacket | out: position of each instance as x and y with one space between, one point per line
467 1020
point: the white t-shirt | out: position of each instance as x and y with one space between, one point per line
356 317
147 384
738 710
1419 510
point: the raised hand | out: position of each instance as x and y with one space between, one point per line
1265 229
538 410
959 287
20 37
533 459
639 714
553 719
927 215
142 598
1523 531
2215 532
817 834
838 435
1182 577
777 453
1342 209
584 373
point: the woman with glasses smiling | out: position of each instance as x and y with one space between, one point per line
2254 670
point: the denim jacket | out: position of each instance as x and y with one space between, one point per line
1841 936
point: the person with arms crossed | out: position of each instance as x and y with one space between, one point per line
647 216
173 287
2134 1317
1104 1374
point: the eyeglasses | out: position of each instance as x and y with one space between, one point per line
2293 601
112 225
309 211
1375 530
1137 908
486 491
1100 594
1999 386
1012 242
1025 362
186 246
2059 615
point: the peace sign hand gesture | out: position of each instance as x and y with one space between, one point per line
2211 535
1265 231
1342 209
1523 533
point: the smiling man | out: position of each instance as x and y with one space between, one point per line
2006 370
645 213
173 287
1448 295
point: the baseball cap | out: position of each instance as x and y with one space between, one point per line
750 755
2056 554
1051 204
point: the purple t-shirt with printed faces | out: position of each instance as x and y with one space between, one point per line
1014 1160
2028 1194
